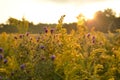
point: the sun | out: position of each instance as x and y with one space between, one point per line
89 15
89 11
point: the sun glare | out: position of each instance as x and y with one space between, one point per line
89 15
89 12
49 12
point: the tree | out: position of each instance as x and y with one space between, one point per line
104 20
22 25
12 21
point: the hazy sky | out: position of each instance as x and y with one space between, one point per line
50 10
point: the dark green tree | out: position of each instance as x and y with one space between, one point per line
22 25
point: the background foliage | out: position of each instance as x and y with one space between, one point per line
103 21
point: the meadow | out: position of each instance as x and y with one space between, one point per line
56 55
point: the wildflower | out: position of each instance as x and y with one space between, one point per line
42 47
12 73
0 78
88 35
1 50
52 30
101 43
27 71
22 66
42 58
31 38
53 57
37 39
5 61
21 36
27 33
46 30
93 38
93 41
1 56
15 37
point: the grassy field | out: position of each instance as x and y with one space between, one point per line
56 55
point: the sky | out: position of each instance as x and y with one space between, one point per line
49 11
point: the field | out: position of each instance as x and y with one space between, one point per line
57 55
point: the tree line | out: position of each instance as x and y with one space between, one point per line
103 21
